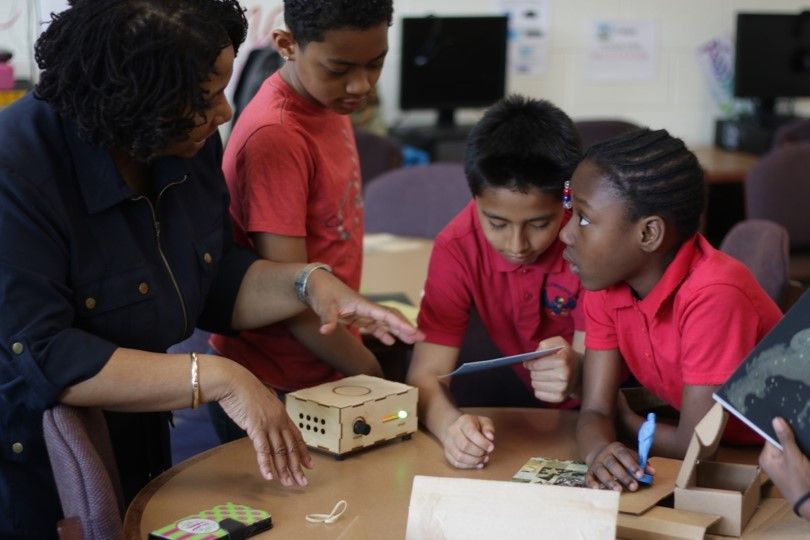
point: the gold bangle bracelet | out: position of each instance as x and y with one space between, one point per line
195 381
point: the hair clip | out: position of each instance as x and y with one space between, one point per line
567 204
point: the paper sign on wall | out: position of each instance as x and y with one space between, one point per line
621 51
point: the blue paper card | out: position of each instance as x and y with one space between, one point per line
472 367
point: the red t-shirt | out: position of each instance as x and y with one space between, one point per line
695 327
519 305
292 170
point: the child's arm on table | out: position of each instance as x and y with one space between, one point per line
339 349
672 441
610 463
467 439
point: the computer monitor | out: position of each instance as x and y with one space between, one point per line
772 58
452 62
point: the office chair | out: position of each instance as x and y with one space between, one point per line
762 246
377 153
416 201
260 64
792 132
86 475
775 189
597 130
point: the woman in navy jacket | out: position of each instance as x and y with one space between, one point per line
115 243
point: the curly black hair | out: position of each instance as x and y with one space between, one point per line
309 20
129 72
656 174
522 143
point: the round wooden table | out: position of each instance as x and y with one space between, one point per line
376 483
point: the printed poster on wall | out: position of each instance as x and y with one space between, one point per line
529 23
621 51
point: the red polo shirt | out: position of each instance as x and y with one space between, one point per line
695 327
519 305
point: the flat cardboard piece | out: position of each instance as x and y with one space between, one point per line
638 502
464 508
662 523
704 443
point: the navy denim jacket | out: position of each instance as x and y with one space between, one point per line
86 267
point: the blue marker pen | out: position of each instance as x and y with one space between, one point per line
646 434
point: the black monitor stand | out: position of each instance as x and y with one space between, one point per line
752 133
443 141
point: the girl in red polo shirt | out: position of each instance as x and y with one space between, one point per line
678 313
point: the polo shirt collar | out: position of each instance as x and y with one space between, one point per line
622 295
100 183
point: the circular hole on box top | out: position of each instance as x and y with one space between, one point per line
315 419
323 431
351 390
301 415
301 425
323 421
308 418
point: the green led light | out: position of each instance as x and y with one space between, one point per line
403 414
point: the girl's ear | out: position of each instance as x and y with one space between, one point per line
284 43
652 230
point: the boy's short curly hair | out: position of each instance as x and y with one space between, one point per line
522 143
309 20
129 72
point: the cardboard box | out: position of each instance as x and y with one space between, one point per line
728 490
353 413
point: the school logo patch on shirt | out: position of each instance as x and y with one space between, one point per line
558 301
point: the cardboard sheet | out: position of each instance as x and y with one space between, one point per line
464 508
637 502
662 523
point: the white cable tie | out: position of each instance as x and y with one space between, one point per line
332 516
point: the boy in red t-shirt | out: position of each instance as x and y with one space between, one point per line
501 258
661 301
293 173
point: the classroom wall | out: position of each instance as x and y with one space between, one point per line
679 97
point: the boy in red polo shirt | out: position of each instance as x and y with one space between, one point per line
678 313
501 257
292 169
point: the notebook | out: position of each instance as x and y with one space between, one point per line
774 380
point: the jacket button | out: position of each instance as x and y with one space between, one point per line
207 257
17 448
17 347
90 302
143 287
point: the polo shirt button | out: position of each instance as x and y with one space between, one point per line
143 287
17 448
207 257
17 347
90 302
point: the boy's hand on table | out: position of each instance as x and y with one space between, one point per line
789 468
554 377
468 441
614 466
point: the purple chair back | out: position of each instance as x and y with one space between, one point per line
793 132
84 467
594 131
776 188
377 154
762 246
416 201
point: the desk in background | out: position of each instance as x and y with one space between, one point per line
394 265
725 179
376 483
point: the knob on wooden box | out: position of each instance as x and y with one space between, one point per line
353 413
